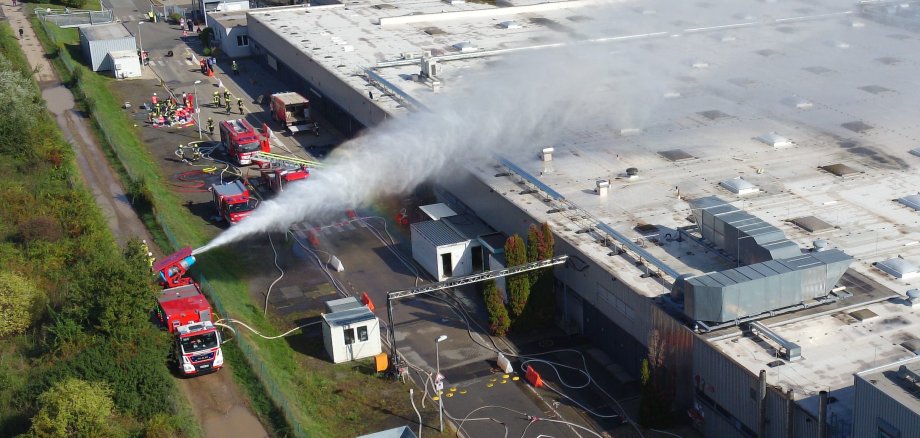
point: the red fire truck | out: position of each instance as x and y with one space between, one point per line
277 177
240 140
185 312
232 201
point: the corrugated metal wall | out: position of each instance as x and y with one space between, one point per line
873 405
678 340
98 51
726 383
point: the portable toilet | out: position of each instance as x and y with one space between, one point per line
350 330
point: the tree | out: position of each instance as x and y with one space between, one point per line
518 285
74 407
18 299
499 322
657 391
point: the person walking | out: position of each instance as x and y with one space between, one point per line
20 33
215 100
210 126
236 68
227 96
239 104
227 105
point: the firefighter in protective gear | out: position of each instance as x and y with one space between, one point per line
239 104
210 126
215 100
227 106
227 96
236 68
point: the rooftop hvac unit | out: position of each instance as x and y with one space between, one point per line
429 67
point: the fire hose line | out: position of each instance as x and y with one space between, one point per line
458 309
226 321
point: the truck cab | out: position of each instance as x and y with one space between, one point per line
240 140
198 348
232 201
184 312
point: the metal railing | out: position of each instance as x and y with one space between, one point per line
74 17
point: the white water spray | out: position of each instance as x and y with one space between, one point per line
516 106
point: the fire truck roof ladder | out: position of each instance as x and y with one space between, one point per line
276 159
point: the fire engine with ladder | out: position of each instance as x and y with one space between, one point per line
186 313
277 170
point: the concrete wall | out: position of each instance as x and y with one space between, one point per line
328 92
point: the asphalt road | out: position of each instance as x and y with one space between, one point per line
215 399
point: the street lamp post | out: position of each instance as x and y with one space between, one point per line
437 355
140 42
197 109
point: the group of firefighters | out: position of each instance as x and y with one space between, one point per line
216 102
181 111
171 111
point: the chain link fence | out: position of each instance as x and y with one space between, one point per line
74 17
272 388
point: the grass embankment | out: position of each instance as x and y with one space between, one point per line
322 398
74 306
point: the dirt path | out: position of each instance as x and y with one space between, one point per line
216 400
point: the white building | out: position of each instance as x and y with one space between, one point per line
350 330
733 117
125 64
230 32
443 252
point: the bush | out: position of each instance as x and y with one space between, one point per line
74 407
76 4
499 321
18 299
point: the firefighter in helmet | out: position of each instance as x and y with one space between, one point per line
227 96
239 104
215 100
211 126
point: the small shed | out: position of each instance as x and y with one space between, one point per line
231 32
100 40
125 64
350 330
443 252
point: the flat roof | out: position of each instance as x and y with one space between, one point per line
736 73
438 233
229 19
886 379
872 333
112 31
437 211
348 317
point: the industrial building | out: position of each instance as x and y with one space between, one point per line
100 41
735 225
888 400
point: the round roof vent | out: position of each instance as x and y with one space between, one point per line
821 245
913 294
632 171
